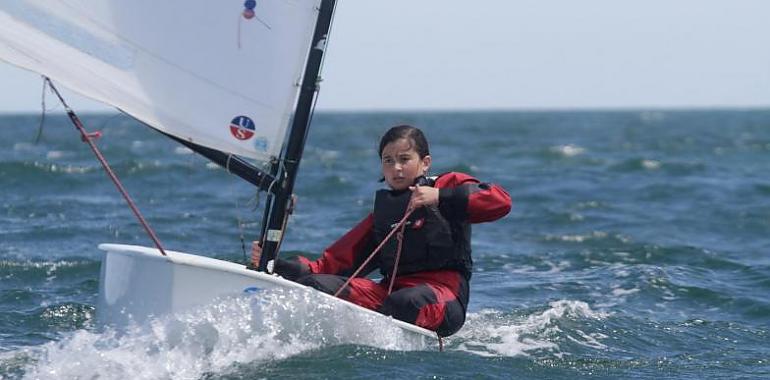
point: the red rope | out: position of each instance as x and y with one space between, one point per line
400 237
87 138
399 226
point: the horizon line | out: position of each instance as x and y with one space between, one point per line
468 110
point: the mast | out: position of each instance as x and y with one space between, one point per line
277 210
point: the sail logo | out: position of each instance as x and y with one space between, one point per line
242 127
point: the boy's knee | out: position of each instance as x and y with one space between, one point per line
405 304
324 282
454 319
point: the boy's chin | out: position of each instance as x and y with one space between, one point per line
398 185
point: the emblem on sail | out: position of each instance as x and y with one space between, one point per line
242 127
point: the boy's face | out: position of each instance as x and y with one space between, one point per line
401 164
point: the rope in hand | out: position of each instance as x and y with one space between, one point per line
399 227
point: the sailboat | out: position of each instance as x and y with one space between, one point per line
231 80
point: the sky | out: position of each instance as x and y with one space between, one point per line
517 54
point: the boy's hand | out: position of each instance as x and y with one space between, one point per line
423 196
256 252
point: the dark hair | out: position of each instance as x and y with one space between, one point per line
414 134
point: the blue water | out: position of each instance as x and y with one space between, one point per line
638 247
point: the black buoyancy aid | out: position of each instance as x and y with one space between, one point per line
431 242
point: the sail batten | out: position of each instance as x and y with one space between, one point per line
198 70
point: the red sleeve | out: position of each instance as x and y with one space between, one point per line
344 255
465 197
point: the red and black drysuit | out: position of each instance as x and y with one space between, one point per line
431 286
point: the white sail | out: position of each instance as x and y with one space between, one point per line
197 69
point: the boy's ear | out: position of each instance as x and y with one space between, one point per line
426 162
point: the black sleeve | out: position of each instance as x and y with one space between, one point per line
453 202
291 269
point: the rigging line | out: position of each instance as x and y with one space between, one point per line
227 163
243 238
240 16
42 113
240 229
238 219
259 187
278 175
88 139
376 250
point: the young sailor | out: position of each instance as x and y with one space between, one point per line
434 264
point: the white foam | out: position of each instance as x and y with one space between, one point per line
589 340
557 268
69 169
519 269
527 269
619 292
23 146
578 238
328 156
272 326
568 150
621 270
651 164
54 154
491 333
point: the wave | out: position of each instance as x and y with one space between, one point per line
216 338
494 333
43 170
30 271
567 150
669 167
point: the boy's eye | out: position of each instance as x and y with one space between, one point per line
388 161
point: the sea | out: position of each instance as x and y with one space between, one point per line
638 247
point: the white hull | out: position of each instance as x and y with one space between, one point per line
137 283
